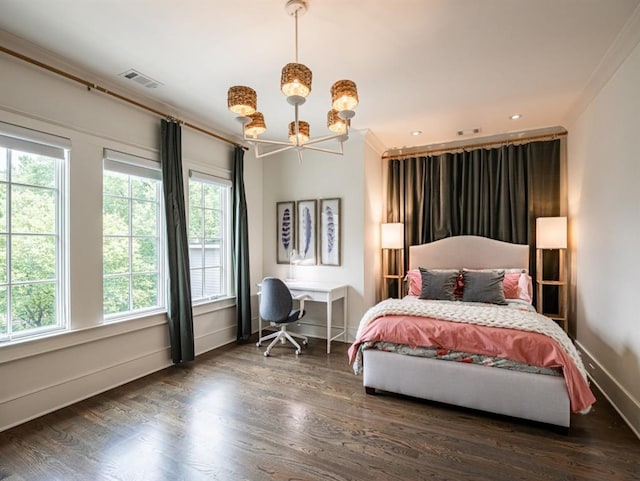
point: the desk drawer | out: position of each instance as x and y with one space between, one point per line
311 295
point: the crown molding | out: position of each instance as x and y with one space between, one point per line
625 42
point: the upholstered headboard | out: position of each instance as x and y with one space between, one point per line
468 251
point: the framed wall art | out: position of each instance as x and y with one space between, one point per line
306 214
285 230
330 232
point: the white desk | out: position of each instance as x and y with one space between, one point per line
326 292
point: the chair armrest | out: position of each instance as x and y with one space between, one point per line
301 298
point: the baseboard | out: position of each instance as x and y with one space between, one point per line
621 400
38 403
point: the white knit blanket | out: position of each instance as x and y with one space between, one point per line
475 313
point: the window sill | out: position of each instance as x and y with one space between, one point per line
205 307
32 346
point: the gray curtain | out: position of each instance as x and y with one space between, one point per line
495 193
179 301
241 250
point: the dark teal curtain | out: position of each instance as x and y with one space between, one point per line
496 193
179 299
241 250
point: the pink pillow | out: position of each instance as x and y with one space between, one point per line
510 284
525 288
415 282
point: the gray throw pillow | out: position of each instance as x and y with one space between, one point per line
438 284
482 286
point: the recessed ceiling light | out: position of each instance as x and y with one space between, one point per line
416 132
516 116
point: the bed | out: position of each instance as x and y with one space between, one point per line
534 394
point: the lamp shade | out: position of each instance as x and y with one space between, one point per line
303 132
295 80
551 232
241 100
335 123
344 95
256 126
392 235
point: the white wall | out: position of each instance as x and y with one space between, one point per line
604 213
44 374
356 179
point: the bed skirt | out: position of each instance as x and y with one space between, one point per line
536 397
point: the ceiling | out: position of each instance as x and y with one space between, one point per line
438 66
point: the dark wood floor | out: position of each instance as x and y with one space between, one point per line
236 415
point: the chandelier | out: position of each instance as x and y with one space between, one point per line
295 83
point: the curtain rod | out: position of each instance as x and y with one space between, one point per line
478 146
92 86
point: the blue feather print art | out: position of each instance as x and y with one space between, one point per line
306 230
331 229
285 233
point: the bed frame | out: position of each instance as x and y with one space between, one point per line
529 396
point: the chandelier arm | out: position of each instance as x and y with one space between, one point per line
328 151
267 141
323 139
259 154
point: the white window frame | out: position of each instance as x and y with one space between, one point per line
226 266
133 165
17 138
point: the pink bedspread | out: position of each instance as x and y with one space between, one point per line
528 347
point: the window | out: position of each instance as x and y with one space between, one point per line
133 246
32 253
209 236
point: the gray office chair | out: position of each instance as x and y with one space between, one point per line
276 307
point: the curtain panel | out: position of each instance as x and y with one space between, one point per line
496 193
241 250
179 299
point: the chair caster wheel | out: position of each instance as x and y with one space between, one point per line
305 343
297 351
258 344
266 354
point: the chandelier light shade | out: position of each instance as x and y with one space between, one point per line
295 80
344 95
335 123
295 83
303 132
256 126
242 100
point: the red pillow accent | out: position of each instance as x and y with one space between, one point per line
510 284
415 282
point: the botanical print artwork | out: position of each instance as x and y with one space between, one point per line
285 214
307 232
330 232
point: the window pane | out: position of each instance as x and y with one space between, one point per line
195 222
3 164
33 306
195 194
115 219
196 284
115 184
195 253
4 326
145 289
144 189
144 218
212 253
212 224
116 294
145 255
3 207
212 282
115 255
33 258
212 196
3 259
33 169
33 210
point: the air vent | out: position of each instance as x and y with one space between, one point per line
468 131
141 79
